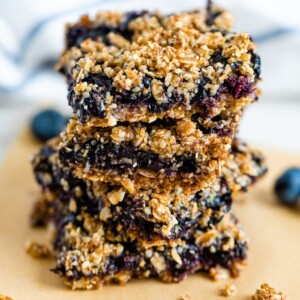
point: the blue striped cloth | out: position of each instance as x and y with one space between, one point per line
31 38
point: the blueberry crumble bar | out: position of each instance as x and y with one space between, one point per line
150 213
106 25
201 81
165 152
266 292
90 252
141 155
166 73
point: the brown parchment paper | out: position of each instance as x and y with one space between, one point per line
274 231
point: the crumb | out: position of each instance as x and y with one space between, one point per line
38 250
229 290
186 297
265 292
219 273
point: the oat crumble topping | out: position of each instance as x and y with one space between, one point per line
229 290
266 292
171 59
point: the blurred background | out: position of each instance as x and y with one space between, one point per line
31 38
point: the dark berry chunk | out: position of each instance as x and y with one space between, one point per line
47 124
256 64
287 186
238 86
217 57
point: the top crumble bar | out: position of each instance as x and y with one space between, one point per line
131 24
158 66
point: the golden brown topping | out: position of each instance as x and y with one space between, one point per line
105 214
229 290
158 262
266 292
186 127
110 18
116 196
219 273
122 134
174 60
38 250
118 40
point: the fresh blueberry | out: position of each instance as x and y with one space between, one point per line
287 187
47 124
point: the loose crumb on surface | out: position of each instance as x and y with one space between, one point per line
37 250
266 292
229 290
219 273
186 297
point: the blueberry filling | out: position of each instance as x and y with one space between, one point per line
211 14
129 212
193 257
120 157
94 105
256 63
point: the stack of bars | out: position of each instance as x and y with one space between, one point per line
141 182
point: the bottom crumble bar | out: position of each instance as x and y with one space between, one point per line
150 213
89 253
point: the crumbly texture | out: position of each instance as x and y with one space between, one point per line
140 183
165 152
200 80
38 250
174 69
229 290
243 167
266 292
130 25
149 212
143 156
90 253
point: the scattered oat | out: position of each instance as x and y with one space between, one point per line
266 292
38 250
219 273
229 290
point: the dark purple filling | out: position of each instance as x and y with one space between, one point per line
44 168
237 86
110 156
256 64
94 105
192 256
211 14
217 126
129 212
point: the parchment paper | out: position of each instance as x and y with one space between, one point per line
274 231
